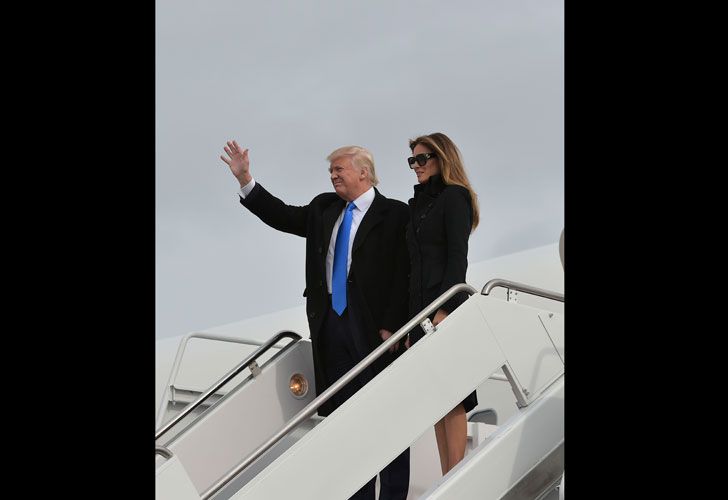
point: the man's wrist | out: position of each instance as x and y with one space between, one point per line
245 180
247 188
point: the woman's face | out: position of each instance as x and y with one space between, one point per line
432 167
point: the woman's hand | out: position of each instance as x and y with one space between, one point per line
439 316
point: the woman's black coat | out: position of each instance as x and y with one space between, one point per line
441 219
437 239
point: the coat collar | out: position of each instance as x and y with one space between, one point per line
374 216
433 187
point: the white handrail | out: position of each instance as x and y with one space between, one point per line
207 336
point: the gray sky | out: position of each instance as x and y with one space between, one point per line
294 80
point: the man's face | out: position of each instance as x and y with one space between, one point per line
349 180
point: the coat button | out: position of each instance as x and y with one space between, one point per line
319 249
312 315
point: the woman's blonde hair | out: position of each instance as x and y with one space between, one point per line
451 165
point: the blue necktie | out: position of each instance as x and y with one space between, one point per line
341 255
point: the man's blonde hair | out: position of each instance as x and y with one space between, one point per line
361 158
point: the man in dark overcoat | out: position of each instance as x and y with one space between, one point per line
357 269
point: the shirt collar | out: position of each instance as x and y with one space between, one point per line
364 201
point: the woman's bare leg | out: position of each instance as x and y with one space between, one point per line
441 438
456 434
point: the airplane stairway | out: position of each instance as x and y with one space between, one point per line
212 440
296 455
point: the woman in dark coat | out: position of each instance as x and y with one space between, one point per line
443 213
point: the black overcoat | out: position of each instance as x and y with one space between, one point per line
378 277
437 239
441 218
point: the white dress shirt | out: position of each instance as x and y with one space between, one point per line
245 190
362 203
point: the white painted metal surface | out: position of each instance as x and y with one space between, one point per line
531 352
198 376
210 360
387 415
425 460
539 267
392 412
509 453
190 375
229 431
554 326
172 481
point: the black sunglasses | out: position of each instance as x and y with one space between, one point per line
421 159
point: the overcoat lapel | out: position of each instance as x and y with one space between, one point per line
374 216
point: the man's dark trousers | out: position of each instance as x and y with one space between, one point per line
342 346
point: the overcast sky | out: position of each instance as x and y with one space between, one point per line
294 80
